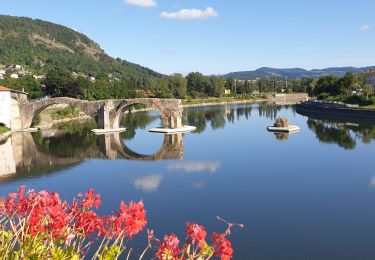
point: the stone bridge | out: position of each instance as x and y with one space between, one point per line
107 113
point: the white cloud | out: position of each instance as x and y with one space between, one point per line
149 183
141 3
191 14
195 166
365 28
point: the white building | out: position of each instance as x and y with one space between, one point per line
14 76
5 103
8 107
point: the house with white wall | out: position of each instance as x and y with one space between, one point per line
9 111
5 105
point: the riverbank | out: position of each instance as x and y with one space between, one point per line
333 109
277 98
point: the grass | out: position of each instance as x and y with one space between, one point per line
67 112
370 106
215 100
4 129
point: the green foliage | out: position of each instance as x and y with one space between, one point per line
26 83
196 81
40 44
331 88
3 129
67 112
178 85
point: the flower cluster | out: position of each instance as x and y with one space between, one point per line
45 214
41 225
196 246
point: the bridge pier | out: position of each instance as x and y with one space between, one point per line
105 116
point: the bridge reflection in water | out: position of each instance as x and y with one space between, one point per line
25 156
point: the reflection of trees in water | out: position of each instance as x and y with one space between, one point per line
268 110
70 139
345 135
216 116
196 118
76 137
132 121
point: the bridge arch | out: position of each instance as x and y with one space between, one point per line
170 115
31 110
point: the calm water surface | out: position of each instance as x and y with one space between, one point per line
308 195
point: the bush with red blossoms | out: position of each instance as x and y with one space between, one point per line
40 225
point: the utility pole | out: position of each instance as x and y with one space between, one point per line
286 83
235 86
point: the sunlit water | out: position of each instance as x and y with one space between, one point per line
308 195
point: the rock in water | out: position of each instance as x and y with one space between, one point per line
281 122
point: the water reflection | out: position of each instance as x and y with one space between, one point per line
25 155
216 116
345 132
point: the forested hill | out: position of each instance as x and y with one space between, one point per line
39 45
294 72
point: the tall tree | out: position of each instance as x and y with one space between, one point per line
178 85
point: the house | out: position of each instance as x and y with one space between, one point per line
39 77
370 78
227 91
14 76
8 99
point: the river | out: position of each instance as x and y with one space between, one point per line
307 195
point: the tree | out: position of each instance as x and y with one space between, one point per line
215 88
163 91
196 82
229 84
178 85
368 90
57 81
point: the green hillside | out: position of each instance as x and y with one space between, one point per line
39 45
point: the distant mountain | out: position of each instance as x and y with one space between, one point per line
38 44
294 72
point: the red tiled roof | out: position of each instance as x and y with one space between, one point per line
4 88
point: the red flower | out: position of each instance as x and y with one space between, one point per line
88 223
195 233
168 250
130 220
90 200
223 247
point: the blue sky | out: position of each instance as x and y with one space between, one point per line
220 35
